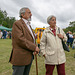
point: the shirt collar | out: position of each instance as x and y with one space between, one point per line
52 28
25 20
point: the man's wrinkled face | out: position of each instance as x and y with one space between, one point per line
27 15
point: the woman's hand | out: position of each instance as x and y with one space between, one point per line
60 36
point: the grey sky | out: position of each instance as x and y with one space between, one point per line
41 9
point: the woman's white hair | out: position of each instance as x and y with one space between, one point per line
49 18
22 11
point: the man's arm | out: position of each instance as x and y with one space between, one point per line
20 39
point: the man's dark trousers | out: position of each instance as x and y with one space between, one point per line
22 70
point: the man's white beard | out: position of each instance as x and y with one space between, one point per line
29 19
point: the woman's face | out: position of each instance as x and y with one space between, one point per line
52 22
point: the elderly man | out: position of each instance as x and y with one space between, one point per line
23 44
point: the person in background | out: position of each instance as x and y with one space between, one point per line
51 47
39 35
1 34
4 34
73 46
67 34
23 44
9 34
70 39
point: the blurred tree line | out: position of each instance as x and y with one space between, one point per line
71 27
5 20
8 22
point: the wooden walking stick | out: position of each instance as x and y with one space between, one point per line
36 64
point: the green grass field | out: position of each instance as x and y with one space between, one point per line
6 68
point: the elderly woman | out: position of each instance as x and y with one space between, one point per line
51 47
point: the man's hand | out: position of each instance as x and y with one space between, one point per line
44 56
37 49
34 53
